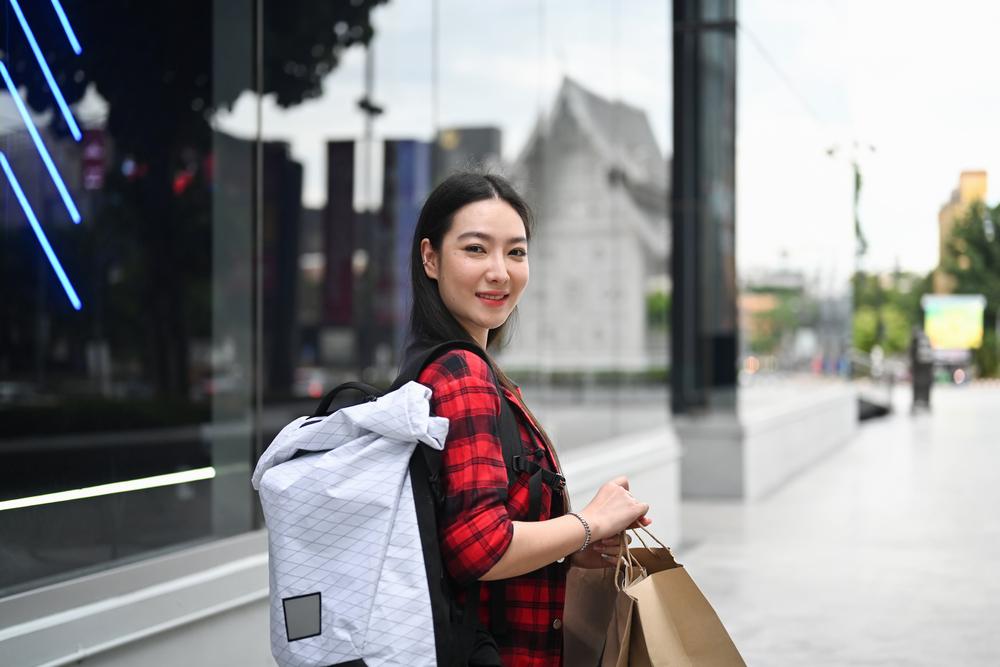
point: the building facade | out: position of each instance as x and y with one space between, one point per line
597 181
971 188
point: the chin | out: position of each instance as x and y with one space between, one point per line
493 322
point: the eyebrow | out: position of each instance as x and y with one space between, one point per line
487 237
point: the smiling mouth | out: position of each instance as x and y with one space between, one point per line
493 299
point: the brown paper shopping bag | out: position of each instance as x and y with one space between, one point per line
590 604
669 622
596 617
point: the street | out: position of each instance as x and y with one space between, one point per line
883 554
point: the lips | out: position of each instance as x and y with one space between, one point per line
494 299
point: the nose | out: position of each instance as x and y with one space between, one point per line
497 270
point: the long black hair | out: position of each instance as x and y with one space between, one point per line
430 319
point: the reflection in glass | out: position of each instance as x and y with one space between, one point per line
576 114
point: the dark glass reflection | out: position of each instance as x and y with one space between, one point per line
153 373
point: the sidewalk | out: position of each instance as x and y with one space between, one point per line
885 553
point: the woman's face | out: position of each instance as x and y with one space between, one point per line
482 266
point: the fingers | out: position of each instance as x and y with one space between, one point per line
611 546
606 549
614 508
621 481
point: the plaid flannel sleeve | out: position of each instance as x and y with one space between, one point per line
475 526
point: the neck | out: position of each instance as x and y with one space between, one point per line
481 336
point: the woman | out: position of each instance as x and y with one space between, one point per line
469 269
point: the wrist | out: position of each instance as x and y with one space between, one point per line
588 530
597 529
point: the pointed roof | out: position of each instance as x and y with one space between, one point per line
624 142
621 133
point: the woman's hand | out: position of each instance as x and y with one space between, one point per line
602 553
613 510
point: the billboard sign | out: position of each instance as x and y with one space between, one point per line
954 321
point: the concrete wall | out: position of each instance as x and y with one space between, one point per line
238 636
204 606
651 461
771 438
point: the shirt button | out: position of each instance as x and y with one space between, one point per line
556 624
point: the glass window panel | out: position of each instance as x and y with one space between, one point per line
796 242
139 399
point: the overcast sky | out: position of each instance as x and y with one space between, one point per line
915 80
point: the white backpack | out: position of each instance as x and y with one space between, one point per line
351 502
347 572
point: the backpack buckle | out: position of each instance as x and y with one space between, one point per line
560 482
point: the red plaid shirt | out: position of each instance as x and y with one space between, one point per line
476 523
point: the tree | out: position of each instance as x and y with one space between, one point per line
658 309
151 62
886 308
972 258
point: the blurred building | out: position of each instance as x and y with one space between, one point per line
971 188
366 287
407 181
336 338
597 181
787 318
281 265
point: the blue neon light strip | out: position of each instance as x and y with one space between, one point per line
73 41
42 151
37 228
60 100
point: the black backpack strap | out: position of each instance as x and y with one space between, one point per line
439 586
369 393
514 457
418 358
510 440
538 476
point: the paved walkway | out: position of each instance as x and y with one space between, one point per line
887 552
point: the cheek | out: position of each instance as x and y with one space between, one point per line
520 274
456 276
464 274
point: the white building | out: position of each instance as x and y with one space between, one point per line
597 181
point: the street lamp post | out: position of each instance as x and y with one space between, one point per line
860 243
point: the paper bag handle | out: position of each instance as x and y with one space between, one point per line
628 562
635 531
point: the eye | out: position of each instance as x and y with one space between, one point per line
519 252
474 248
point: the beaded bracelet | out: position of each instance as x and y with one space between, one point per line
586 529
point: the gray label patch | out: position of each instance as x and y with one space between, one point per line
302 616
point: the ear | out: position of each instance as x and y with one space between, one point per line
429 258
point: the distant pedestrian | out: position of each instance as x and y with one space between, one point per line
921 369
